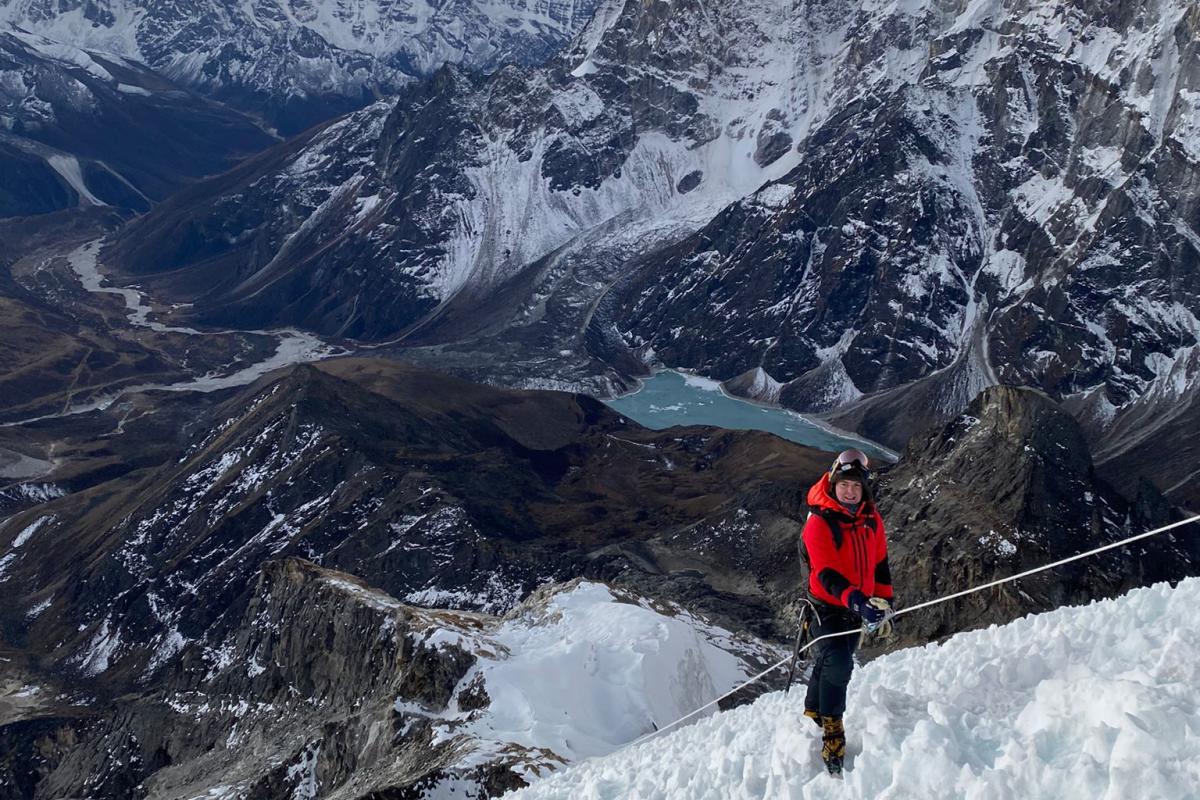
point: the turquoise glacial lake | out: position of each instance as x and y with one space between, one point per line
672 398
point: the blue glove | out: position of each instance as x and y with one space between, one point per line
860 604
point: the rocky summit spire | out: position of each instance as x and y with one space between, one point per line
1006 486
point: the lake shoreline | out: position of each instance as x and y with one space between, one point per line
703 383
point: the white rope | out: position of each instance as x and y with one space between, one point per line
917 607
1058 563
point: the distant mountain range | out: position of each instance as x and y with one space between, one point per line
297 62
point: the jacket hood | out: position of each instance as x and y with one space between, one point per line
820 495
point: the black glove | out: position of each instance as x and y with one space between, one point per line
860 604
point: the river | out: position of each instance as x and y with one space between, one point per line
294 347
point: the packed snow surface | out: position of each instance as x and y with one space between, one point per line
1091 703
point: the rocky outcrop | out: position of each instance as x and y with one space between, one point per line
307 690
1007 486
307 623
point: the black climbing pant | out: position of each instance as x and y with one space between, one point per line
833 661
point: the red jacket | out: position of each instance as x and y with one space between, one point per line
852 557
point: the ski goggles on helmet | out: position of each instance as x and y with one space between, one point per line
851 463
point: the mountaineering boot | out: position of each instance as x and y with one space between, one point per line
814 716
833 745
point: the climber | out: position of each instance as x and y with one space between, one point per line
850 586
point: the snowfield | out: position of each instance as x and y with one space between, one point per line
1092 703
578 673
641 667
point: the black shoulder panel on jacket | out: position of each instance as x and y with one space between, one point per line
883 573
834 520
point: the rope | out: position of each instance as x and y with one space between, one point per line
903 611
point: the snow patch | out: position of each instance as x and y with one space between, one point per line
37 610
68 167
30 530
589 672
98 654
304 774
776 196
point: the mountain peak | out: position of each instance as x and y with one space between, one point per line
1015 446
1005 486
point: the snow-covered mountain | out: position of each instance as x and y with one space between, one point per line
999 192
499 210
301 61
876 209
1077 704
80 128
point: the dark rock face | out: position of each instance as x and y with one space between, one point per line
295 604
978 221
773 140
30 186
1006 487
689 181
77 128
304 689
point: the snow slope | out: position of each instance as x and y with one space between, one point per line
577 672
1098 702
591 637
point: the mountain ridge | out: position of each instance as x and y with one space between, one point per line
300 62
